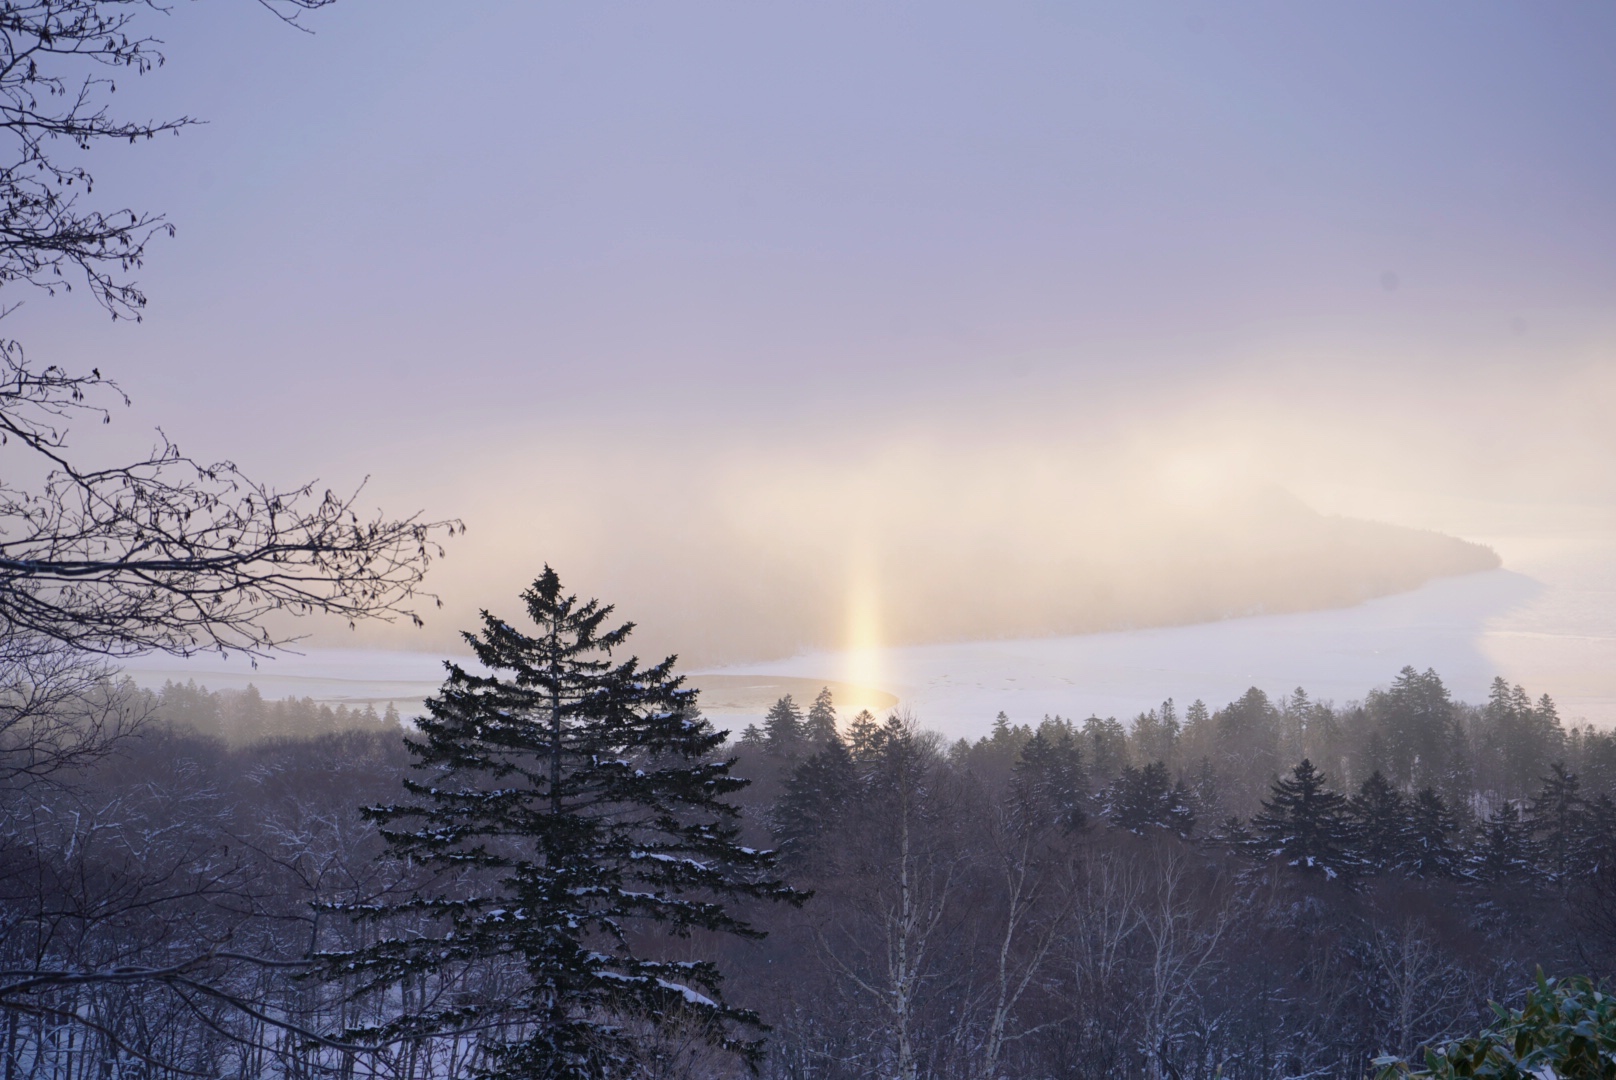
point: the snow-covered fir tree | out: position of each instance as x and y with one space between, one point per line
1380 825
570 813
1506 851
1431 827
1304 824
1145 798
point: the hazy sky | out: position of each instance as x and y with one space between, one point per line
523 261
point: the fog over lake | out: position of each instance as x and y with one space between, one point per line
1547 620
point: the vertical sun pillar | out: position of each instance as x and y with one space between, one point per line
863 665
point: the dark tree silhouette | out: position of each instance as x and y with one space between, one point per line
59 62
171 554
164 552
1380 824
1506 852
817 794
1145 798
1049 783
1416 722
574 806
783 728
820 727
1557 815
1304 824
1431 828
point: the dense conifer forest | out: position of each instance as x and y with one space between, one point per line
1266 888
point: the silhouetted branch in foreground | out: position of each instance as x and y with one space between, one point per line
167 553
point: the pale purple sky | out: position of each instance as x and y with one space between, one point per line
462 244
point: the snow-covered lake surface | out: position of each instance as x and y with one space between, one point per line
1548 621
958 688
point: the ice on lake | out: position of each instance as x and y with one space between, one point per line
1549 623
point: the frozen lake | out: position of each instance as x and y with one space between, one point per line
958 688
1548 622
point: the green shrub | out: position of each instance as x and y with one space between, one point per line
1566 1030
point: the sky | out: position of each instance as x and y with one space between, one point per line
725 307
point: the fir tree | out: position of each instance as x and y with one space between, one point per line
1417 725
1380 825
1506 853
783 728
1205 797
570 806
1294 716
1556 815
820 728
1002 746
1247 739
1143 799
1107 748
1155 733
863 737
1196 715
1234 835
817 794
1304 824
1597 850
1523 739
1430 826
1048 781
1001 729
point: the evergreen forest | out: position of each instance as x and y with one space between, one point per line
1262 888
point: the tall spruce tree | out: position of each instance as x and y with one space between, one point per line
1380 825
1304 824
1506 852
783 728
1557 816
572 812
1431 827
817 794
863 736
1416 724
1048 782
820 727
1143 799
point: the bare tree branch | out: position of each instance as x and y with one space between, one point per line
167 553
59 60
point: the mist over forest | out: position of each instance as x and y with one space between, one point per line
964 546
1249 888
636 432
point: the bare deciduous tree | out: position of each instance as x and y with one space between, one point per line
122 939
59 62
171 554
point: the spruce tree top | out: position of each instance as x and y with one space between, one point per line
1305 825
573 813
820 727
783 727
